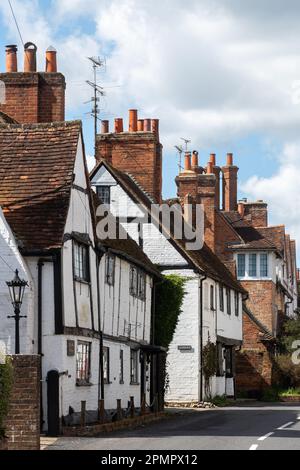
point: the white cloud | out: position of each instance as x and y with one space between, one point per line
281 190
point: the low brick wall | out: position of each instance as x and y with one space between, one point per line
23 420
94 430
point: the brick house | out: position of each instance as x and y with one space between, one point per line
129 177
91 318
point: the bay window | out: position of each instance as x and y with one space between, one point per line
252 265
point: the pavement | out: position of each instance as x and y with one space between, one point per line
246 427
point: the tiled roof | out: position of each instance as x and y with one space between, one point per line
36 175
125 246
266 334
252 238
203 259
5 119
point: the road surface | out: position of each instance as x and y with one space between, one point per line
255 427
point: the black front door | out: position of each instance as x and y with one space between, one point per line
53 403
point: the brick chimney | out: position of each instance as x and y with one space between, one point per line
256 213
230 172
137 151
31 96
201 189
217 172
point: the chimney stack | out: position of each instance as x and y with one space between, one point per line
216 171
104 127
241 208
133 119
11 58
230 172
119 125
51 60
30 57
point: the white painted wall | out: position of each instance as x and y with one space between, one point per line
10 260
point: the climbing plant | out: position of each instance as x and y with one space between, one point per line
209 357
169 299
6 382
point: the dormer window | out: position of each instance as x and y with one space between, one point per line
103 192
253 265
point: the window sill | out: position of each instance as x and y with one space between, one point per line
84 384
134 383
82 281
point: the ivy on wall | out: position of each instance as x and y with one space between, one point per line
6 382
169 299
209 357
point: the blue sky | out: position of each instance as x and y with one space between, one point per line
223 74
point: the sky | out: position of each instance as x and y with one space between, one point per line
224 74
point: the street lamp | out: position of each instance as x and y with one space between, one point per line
16 290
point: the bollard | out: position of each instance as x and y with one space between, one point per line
131 407
82 415
143 405
101 411
119 410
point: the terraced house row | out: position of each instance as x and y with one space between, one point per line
92 300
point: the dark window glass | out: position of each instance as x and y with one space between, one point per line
81 262
220 360
241 265
121 366
106 365
236 304
264 265
212 298
252 265
103 193
134 377
228 299
221 297
110 269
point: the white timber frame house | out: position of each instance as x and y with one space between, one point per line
212 307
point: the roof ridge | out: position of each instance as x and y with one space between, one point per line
42 125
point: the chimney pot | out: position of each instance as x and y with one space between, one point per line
209 170
51 60
241 209
140 125
30 57
195 161
212 159
155 126
104 127
119 125
187 161
147 125
229 159
11 58
133 119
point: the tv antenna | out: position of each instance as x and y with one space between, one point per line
186 142
180 152
98 91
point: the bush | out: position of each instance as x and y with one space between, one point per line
288 374
220 400
270 394
6 381
291 392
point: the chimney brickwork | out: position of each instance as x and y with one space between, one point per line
136 152
32 97
230 172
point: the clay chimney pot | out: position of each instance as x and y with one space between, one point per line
104 127
11 59
133 120
195 159
140 125
229 159
30 57
51 60
147 125
212 159
119 125
187 161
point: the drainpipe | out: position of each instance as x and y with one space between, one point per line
201 332
101 380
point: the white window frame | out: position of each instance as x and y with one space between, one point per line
258 265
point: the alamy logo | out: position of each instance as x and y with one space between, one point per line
173 222
2 92
296 353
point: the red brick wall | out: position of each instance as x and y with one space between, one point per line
256 214
137 153
23 420
254 365
262 298
34 97
230 188
224 235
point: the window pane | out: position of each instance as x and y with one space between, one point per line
133 366
106 365
110 270
212 295
241 265
228 298
81 261
221 295
121 366
83 361
103 193
236 302
253 265
264 265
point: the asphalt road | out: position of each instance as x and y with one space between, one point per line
256 427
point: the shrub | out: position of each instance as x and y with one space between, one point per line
288 374
6 381
220 400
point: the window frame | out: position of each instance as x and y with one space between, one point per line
264 276
221 297
229 373
104 200
82 381
212 297
134 359
228 301
137 283
81 266
106 370
236 304
121 371
254 255
110 277
244 256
